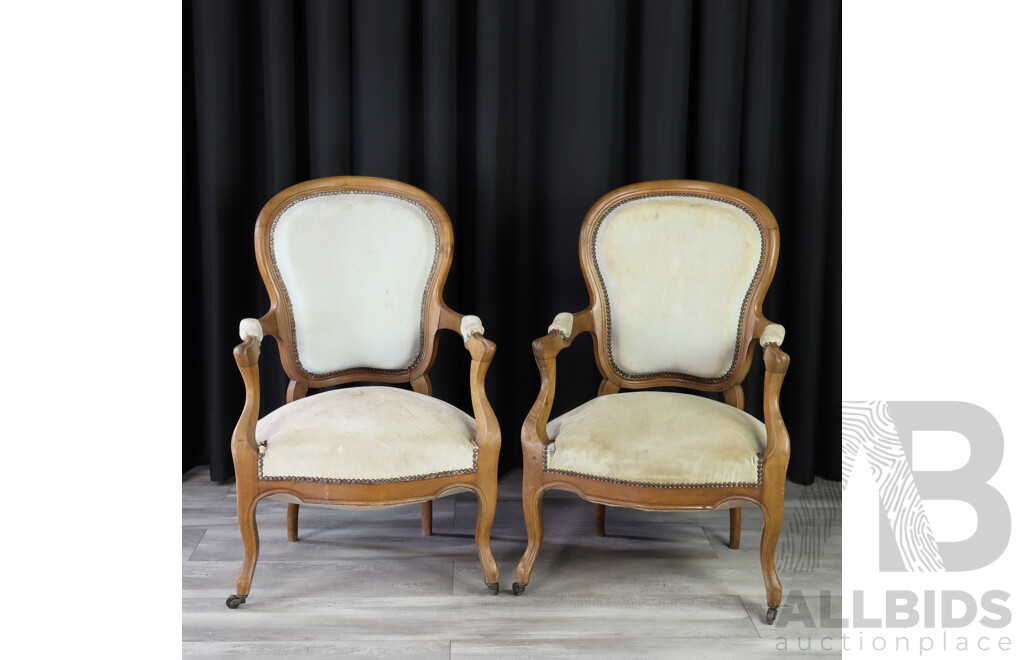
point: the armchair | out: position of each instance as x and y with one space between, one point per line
677 272
355 267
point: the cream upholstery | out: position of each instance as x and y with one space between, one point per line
562 323
677 270
366 434
469 325
356 268
250 328
658 438
773 334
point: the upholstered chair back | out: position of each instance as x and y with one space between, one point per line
678 270
355 269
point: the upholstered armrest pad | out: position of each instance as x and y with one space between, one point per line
471 324
250 328
773 334
562 323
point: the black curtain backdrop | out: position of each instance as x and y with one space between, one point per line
517 117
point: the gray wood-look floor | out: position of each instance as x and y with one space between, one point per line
366 583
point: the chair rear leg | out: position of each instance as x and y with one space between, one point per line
735 522
293 521
251 541
427 521
769 539
599 519
486 503
535 535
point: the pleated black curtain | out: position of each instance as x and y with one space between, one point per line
517 117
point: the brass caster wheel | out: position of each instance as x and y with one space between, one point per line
493 588
518 589
772 612
234 600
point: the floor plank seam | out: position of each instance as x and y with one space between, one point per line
196 546
751 617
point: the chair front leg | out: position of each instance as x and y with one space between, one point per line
560 335
251 541
488 439
776 460
244 451
769 540
487 499
532 500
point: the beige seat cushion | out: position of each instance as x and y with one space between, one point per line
366 435
658 438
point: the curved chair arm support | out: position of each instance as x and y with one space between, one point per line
481 350
563 330
247 356
776 362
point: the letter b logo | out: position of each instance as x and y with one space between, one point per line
883 431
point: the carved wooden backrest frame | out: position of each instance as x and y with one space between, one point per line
752 321
278 321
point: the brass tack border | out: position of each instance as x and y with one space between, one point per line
288 301
607 303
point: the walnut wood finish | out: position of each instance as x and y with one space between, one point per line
768 496
438 316
427 518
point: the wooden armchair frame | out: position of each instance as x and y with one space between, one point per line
768 495
277 322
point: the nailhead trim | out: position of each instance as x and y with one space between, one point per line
623 482
607 303
288 301
388 480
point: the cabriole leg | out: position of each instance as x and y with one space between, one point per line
535 535
769 539
251 541
484 522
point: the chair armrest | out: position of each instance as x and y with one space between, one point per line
772 334
247 356
250 328
470 325
563 330
472 330
563 324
